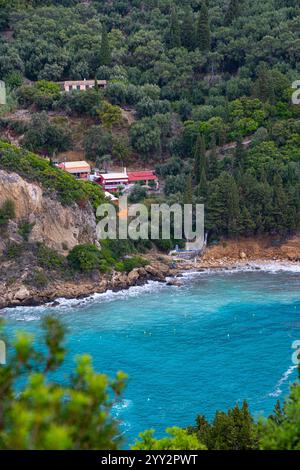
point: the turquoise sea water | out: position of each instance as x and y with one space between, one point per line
217 340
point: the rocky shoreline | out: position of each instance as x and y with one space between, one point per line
21 294
229 255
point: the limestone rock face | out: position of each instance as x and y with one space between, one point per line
155 272
57 226
133 276
22 293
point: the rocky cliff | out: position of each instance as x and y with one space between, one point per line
57 226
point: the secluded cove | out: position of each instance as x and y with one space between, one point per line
218 339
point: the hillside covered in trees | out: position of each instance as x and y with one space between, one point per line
209 84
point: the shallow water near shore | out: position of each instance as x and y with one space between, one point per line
218 339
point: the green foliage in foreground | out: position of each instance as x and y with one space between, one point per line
177 439
53 180
282 430
234 430
45 414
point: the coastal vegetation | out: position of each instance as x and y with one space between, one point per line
199 90
53 180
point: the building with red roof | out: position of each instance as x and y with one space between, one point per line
144 177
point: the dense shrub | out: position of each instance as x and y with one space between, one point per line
42 94
7 212
24 229
87 258
14 250
80 102
48 258
97 142
44 135
117 248
137 194
54 181
37 278
128 264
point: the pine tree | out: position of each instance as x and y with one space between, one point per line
233 11
105 54
247 224
280 205
203 37
200 159
264 86
188 30
202 187
233 207
174 39
188 193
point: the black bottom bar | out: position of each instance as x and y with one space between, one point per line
136 459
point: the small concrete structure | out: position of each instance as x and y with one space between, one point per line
82 85
111 197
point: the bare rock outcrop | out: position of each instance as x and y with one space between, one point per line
57 226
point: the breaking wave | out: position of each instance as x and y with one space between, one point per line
278 390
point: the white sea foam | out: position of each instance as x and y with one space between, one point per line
121 406
268 267
278 390
62 304
275 267
108 296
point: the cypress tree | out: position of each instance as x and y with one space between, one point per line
105 54
200 159
174 39
247 223
188 193
188 30
280 205
203 38
202 187
233 207
214 208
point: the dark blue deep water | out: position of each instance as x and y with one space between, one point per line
217 340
